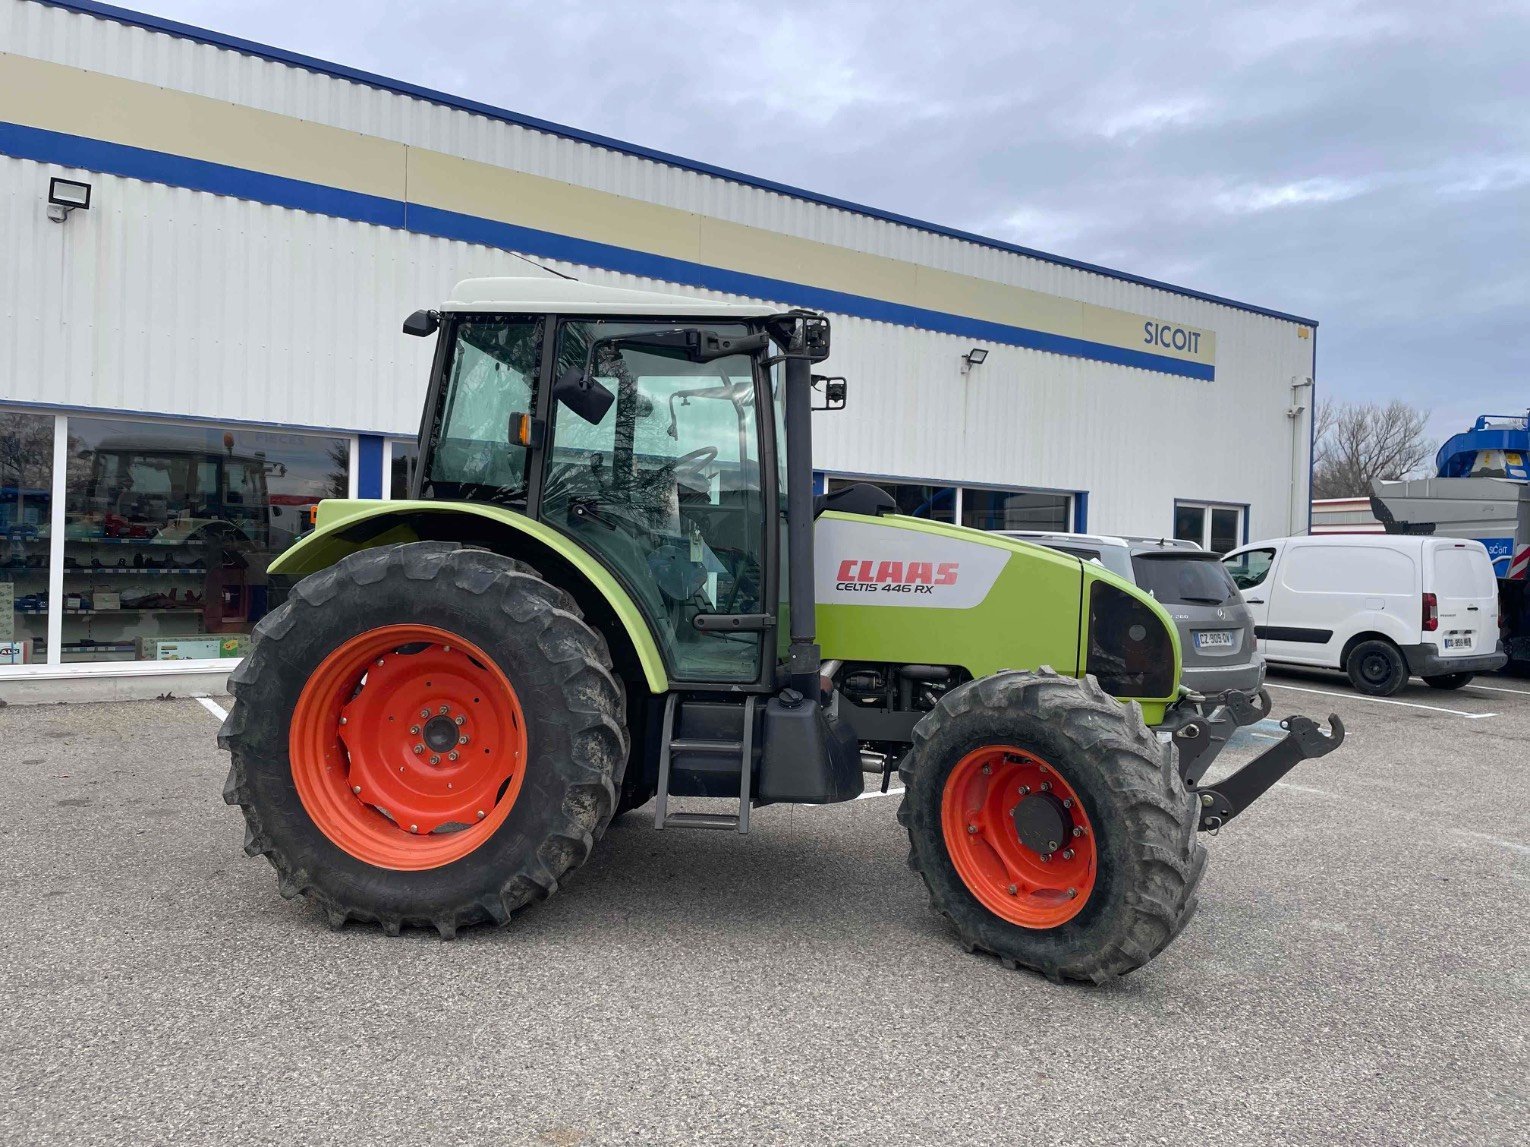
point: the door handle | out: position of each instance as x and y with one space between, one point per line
1254 601
1472 609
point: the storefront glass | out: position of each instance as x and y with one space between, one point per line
169 530
26 499
938 503
1016 510
405 456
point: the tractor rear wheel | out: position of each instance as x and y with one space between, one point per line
1050 826
424 735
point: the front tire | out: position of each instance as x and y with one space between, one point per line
1376 668
424 735
1056 762
1449 680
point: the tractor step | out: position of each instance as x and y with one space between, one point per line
741 750
700 820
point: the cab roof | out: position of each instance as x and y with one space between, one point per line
545 294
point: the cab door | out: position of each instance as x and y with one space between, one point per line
665 489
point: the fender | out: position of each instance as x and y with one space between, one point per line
348 526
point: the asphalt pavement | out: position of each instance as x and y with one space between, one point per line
1357 971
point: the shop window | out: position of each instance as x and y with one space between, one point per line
404 457
26 500
1212 527
168 531
1016 510
938 503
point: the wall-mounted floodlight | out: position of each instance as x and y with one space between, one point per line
66 195
973 357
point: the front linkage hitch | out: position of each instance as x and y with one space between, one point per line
1201 736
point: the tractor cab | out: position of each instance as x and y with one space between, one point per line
657 459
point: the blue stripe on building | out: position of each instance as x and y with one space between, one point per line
66 150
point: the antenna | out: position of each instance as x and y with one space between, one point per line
539 267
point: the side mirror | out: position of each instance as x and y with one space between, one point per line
422 323
585 396
833 392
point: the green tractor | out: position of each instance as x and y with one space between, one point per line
613 584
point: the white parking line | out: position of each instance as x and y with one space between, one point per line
875 793
213 707
1500 689
1383 701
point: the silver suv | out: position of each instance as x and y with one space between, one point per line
1216 630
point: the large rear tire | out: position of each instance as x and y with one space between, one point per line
1050 826
424 735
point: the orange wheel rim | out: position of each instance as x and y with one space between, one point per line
993 795
408 747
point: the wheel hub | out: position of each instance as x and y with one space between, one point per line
440 734
1042 823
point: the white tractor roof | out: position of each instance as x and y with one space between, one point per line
545 294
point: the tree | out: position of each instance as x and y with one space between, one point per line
1358 442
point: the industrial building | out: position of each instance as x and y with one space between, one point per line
210 244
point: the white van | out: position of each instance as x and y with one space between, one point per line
1378 606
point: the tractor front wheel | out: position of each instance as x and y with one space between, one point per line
1050 826
424 735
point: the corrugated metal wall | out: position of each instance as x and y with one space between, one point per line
177 302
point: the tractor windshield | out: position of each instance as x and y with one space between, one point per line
666 489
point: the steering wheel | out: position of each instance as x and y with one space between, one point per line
691 465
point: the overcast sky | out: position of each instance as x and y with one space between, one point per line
1365 164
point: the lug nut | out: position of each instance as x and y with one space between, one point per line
452 756
356 789
1077 831
1067 854
462 740
1025 790
424 714
342 720
1206 800
461 720
1051 846
972 830
445 709
379 661
1067 802
1014 890
414 828
1073 894
414 730
435 760
480 814
1046 858
987 770
1046 786
418 749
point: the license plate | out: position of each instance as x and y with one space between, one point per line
1214 639
1458 643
